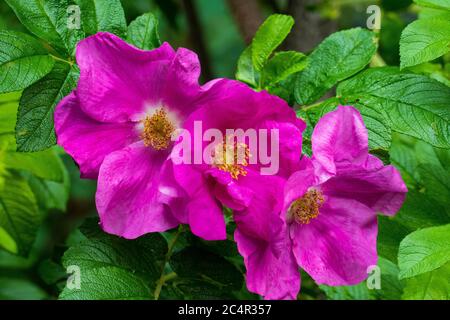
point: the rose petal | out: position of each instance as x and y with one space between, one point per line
205 215
128 197
339 245
272 275
86 140
382 189
340 140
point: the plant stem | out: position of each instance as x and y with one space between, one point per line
163 278
62 60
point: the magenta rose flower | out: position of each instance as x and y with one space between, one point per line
328 219
239 185
118 125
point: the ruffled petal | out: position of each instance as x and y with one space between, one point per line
182 88
86 140
204 212
339 245
272 271
129 199
340 140
381 189
265 198
117 80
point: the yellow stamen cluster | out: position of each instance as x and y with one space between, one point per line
232 157
158 130
306 208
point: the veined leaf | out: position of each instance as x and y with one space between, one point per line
424 40
268 37
434 285
23 61
282 65
202 275
102 15
356 292
416 105
376 121
48 19
34 129
423 251
143 32
108 283
115 268
337 58
245 70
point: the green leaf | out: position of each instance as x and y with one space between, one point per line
356 292
142 257
7 242
282 65
424 40
404 158
375 120
51 272
391 286
443 4
436 180
49 194
48 19
285 89
45 164
143 32
423 251
416 105
390 233
337 58
23 61
8 103
268 37
108 283
245 70
202 274
19 214
113 268
421 211
34 129
198 263
20 289
434 285
430 13
102 15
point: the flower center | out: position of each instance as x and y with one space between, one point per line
158 130
232 157
306 208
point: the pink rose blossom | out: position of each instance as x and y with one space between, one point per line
328 221
118 124
241 187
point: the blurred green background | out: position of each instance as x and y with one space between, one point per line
218 30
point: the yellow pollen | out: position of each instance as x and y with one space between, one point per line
306 208
232 157
158 130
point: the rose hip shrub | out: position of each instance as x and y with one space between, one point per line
357 207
